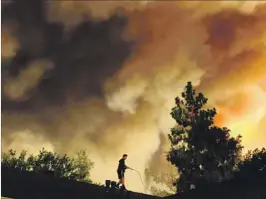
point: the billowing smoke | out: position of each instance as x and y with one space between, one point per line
17 88
103 76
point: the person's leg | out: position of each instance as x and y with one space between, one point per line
120 178
123 182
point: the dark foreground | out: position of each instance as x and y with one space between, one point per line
24 185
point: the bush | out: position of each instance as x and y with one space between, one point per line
77 168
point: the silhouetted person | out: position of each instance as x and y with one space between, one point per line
121 171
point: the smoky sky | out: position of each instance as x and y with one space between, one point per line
83 57
88 74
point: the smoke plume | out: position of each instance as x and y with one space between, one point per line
103 76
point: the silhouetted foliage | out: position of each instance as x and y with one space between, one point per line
253 164
77 168
202 152
161 184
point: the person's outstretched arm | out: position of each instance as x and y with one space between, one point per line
125 166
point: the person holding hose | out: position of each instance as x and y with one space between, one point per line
121 171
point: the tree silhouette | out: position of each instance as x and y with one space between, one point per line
77 168
202 152
253 164
82 165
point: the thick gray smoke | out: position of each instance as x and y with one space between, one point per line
103 75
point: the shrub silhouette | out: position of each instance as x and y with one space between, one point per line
161 182
253 164
77 168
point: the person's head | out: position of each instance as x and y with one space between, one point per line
124 156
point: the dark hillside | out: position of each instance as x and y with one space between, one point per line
25 185
248 188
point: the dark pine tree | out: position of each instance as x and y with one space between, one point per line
202 152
